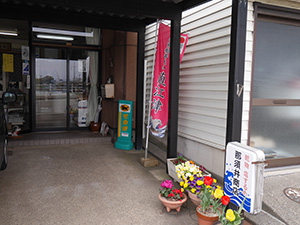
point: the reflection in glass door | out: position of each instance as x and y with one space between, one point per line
59 70
51 88
79 65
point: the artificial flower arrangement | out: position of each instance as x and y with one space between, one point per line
168 191
231 217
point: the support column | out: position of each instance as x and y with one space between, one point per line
174 87
140 90
236 74
236 70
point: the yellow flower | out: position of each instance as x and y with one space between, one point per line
191 178
215 181
181 183
193 190
230 215
178 175
218 193
219 187
208 186
182 190
199 182
185 185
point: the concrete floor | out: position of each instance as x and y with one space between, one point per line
80 178
91 183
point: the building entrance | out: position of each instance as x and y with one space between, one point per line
62 84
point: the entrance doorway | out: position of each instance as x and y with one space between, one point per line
62 83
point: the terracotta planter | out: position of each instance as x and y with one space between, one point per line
172 204
194 198
206 219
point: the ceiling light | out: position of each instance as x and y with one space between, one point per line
54 37
9 33
63 32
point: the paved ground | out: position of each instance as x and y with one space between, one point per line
91 183
73 178
277 208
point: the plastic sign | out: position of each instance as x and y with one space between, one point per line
244 176
8 62
124 125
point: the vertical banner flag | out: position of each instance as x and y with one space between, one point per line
160 91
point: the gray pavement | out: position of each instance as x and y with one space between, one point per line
278 209
91 183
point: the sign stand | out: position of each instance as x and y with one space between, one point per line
244 176
125 125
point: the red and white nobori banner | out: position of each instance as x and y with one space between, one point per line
160 91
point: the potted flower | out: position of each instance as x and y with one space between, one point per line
212 197
172 163
231 217
171 197
191 177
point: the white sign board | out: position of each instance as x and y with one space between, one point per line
244 176
25 53
25 68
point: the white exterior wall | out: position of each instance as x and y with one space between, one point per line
203 85
204 80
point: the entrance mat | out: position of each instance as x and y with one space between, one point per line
292 193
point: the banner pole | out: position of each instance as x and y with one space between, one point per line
151 86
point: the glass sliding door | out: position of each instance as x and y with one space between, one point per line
78 87
64 79
83 77
275 115
50 88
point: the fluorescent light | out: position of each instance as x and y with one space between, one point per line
54 37
9 33
64 32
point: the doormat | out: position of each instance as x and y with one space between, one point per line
293 194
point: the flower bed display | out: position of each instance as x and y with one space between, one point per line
180 160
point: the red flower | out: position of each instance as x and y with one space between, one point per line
225 200
181 195
208 180
171 195
174 190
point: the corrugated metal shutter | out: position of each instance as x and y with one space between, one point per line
203 72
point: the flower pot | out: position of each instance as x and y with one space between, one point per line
94 127
206 219
194 198
172 204
172 169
